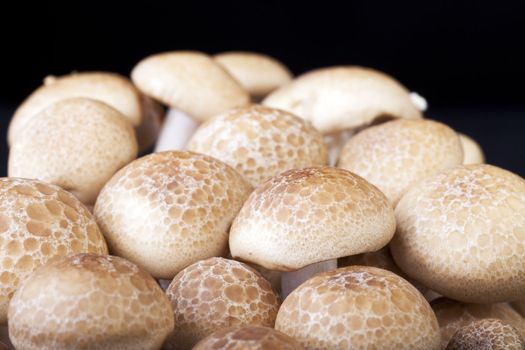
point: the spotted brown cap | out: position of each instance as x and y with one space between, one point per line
487 334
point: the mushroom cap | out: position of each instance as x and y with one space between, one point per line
218 293
77 144
487 334
113 89
169 202
358 307
257 73
260 142
148 131
462 234
39 222
452 315
248 338
89 301
190 81
472 153
305 216
396 155
347 97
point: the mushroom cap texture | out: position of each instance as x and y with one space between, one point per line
396 155
358 307
487 334
260 142
257 73
346 97
189 81
472 152
248 338
110 88
218 293
168 210
462 234
452 315
89 301
39 222
77 144
305 216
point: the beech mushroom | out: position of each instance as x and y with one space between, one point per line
472 153
487 334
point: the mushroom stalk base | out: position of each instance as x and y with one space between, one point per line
291 280
336 142
176 131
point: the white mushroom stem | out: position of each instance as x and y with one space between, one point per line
336 142
419 101
176 131
291 280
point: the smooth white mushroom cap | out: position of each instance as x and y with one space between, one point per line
472 152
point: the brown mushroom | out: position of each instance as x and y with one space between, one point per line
487 334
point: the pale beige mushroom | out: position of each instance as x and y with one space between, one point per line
472 152
487 334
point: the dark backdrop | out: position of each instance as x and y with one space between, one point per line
465 57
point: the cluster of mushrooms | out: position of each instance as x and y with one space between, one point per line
316 212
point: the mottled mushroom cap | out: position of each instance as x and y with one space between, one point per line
39 222
305 216
358 307
77 144
395 156
190 81
462 234
339 98
472 153
218 293
168 210
89 301
257 73
487 334
260 142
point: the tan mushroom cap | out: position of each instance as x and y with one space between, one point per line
346 97
472 153
168 210
452 315
487 334
305 216
257 73
396 155
472 214
248 338
218 293
113 89
190 81
260 142
39 222
358 307
89 301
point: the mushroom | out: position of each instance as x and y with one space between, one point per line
5 343
258 74
358 307
149 130
260 142
89 301
519 305
168 210
76 143
39 222
461 233
487 334
218 293
307 218
396 155
193 85
472 153
248 338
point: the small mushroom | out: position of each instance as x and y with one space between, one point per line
218 293
472 153
487 334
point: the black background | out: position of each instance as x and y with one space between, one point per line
465 57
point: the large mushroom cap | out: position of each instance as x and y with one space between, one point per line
396 155
462 234
39 222
487 334
76 143
305 216
218 293
167 210
189 81
472 153
339 98
260 142
89 301
358 307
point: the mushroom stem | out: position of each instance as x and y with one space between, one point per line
291 280
176 131
335 142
